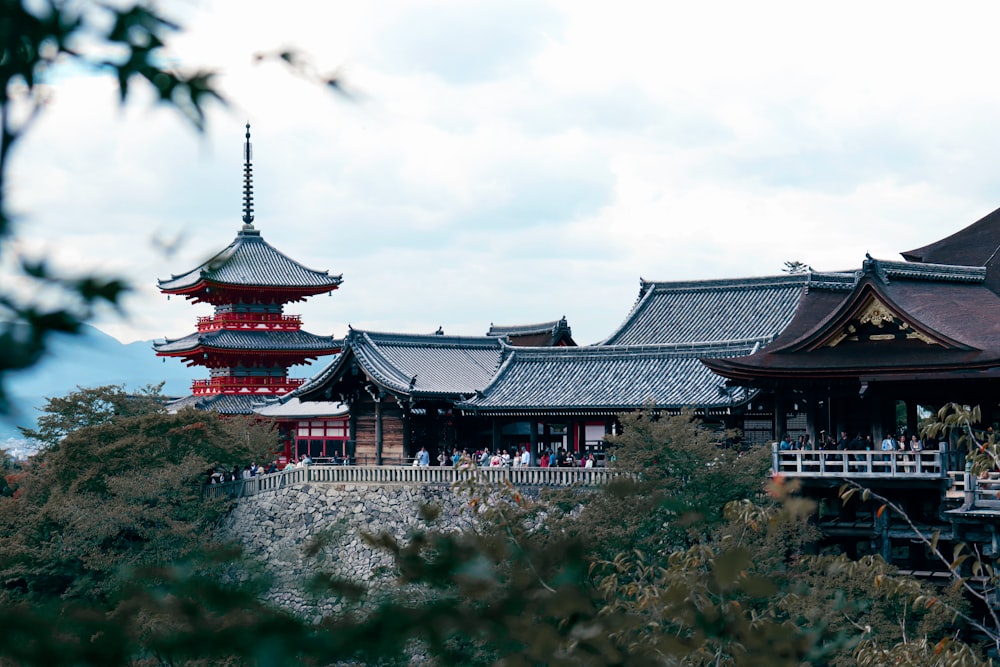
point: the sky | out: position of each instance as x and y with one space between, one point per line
513 162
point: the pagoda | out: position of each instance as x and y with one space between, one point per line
249 343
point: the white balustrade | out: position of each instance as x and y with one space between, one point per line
410 475
857 463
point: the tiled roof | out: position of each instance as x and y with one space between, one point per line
974 245
714 311
223 339
605 379
556 332
526 329
226 404
290 407
951 307
941 273
415 364
250 261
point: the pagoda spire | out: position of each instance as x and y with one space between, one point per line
248 182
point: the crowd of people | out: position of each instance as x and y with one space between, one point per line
220 476
513 458
859 442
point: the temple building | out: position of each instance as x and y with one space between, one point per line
401 390
904 339
249 343
811 352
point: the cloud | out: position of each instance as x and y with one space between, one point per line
514 162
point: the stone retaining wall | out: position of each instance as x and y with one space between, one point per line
275 527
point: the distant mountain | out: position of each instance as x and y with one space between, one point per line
94 359
89 359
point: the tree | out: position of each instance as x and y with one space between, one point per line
89 407
525 587
794 267
678 478
122 490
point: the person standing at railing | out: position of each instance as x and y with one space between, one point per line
916 446
844 443
525 457
423 458
888 445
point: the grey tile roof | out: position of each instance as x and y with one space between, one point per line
717 311
603 379
542 334
222 339
432 364
290 407
415 364
527 329
250 261
944 273
226 404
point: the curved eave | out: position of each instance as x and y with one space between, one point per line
734 370
597 411
378 368
576 409
202 290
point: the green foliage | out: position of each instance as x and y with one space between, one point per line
122 490
733 585
958 425
679 476
794 267
90 407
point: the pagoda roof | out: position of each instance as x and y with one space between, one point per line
543 334
250 261
715 311
415 365
901 320
249 340
974 245
605 380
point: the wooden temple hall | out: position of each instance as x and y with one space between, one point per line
867 351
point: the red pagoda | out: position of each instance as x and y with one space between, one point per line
249 343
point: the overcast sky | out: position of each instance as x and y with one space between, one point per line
513 162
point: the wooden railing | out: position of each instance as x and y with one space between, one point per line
245 384
431 475
858 464
270 321
981 495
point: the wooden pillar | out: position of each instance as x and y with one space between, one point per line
887 416
378 430
497 431
911 418
812 406
780 417
533 435
883 545
352 431
407 444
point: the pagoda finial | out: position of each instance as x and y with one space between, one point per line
248 181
